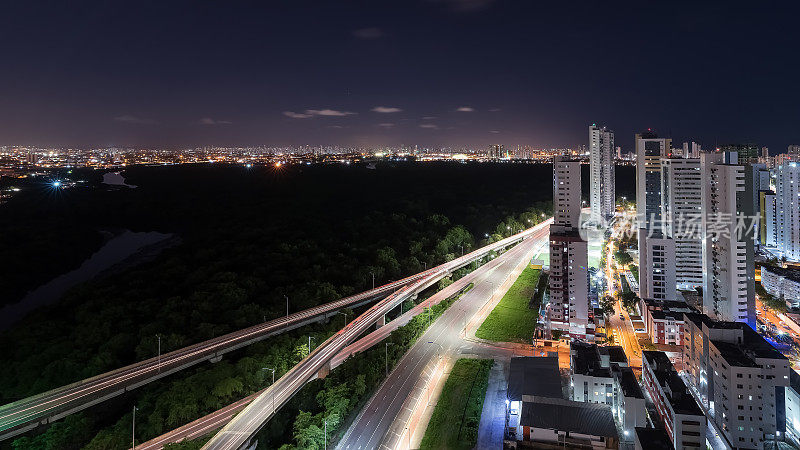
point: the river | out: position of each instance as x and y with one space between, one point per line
115 251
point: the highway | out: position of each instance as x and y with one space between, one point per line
383 332
393 413
26 414
239 431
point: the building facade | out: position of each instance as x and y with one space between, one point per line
769 219
602 181
649 151
782 283
664 321
787 203
739 376
728 249
657 267
683 420
601 375
568 282
681 208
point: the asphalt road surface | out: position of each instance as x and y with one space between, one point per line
383 421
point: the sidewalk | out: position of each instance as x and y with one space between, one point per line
492 426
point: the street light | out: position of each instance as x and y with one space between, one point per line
326 434
386 359
309 343
273 373
159 352
373 280
133 429
287 305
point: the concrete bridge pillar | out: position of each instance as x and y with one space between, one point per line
216 359
381 322
324 371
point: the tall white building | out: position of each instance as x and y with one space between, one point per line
787 204
760 181
649 151
568 282
657 274
681 208
768 228
601 160
654 267
728 267
691 150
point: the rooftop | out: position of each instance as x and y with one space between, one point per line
566 415
677 316
699 319
534 376
653 438
585 359
628 382
679 397
733 354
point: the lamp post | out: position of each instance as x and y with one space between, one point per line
287 305
386 359
159 352
373 280
326 435
273 373
309 344
133 429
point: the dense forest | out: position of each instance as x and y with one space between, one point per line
248 237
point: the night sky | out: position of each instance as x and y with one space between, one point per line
434 73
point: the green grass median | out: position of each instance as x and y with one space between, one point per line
454 423
512 320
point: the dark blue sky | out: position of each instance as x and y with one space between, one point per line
175 73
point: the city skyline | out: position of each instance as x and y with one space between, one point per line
451 73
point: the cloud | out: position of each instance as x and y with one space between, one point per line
210 121
386 125
465 109
493 131
317 112
494 110
369 33
328 112
295 115
335 126
428 117
127 118
429 126
386 109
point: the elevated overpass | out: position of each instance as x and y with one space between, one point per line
241 430
29 413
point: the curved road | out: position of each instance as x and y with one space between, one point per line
239 431
28 413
